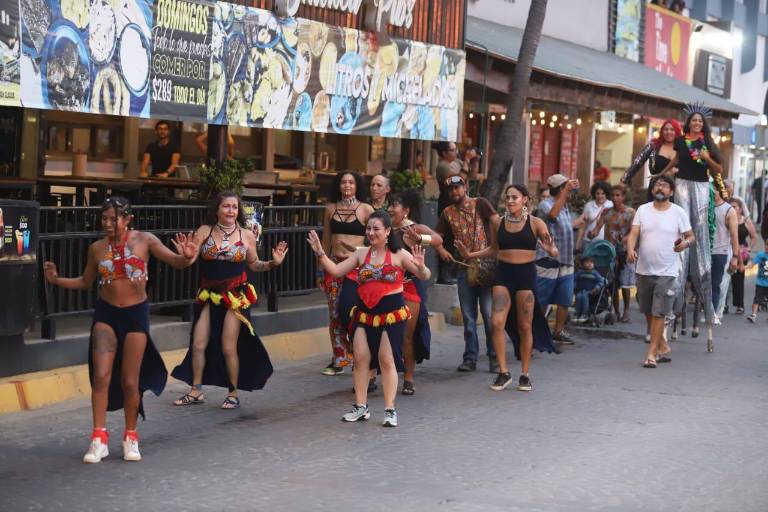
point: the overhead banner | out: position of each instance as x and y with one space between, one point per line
229 64
86 56
10 51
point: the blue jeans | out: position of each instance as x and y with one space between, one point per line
719 261
469 297
582 302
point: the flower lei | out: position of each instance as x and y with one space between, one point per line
696 153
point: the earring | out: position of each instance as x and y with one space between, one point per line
525 212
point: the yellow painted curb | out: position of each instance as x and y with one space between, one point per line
38 389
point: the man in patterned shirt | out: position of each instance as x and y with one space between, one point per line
467 220
554 276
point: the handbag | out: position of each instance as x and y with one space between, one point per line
480 272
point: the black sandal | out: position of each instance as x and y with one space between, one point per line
408 389
189 400
663 359
231 402
649 363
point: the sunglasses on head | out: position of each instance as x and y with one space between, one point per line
454 180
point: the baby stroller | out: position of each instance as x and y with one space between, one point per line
603 254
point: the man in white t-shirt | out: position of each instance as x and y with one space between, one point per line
663 229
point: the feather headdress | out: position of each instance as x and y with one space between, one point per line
697 107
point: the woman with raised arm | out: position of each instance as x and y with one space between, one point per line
123 362
697 158
380 314
344 220
405 210
515 308
224 350
658 153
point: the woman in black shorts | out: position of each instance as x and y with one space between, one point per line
513 241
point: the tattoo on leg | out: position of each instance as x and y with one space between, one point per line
104 341
500 302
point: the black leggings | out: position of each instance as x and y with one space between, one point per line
737 282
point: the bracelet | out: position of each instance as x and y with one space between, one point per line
426 240
320 254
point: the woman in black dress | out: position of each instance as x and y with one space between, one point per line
224 350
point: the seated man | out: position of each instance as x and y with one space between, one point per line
587 282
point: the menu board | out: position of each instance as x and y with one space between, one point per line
229 64
10 46
86 56
181 38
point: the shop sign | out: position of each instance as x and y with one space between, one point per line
86 56
666 42
398 13
10 52
627 37
229 64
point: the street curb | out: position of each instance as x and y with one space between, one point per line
34 390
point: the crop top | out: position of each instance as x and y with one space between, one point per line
119 262
343 226
376 281
234 252
523 240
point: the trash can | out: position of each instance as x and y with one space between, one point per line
18 264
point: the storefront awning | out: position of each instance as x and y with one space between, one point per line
574 62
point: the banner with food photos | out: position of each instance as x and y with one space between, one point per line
10 51
309 76
86 55
230 64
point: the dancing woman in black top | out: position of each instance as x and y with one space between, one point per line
344 221
513 241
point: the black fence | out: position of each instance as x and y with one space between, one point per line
67 232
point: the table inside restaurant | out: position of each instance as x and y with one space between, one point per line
17 188
132 187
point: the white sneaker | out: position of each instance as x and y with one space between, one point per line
390 418
131 449
97 451
358 413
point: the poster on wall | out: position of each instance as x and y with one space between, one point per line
181 51
86 55
667 37
10 52
535 162
627 37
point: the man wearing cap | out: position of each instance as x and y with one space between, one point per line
554 276
447 166
467 220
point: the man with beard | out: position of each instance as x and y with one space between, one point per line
467 220
663 230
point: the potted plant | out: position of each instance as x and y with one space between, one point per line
231 176
407 178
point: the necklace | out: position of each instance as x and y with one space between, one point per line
514 220
694 152
225 235
348 201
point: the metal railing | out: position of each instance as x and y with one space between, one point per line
67 232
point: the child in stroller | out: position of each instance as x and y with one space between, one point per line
588 283
603 257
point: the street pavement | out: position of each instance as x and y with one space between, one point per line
598 433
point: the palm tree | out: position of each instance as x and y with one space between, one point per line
508 142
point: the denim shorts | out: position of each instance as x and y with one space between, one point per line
554 285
